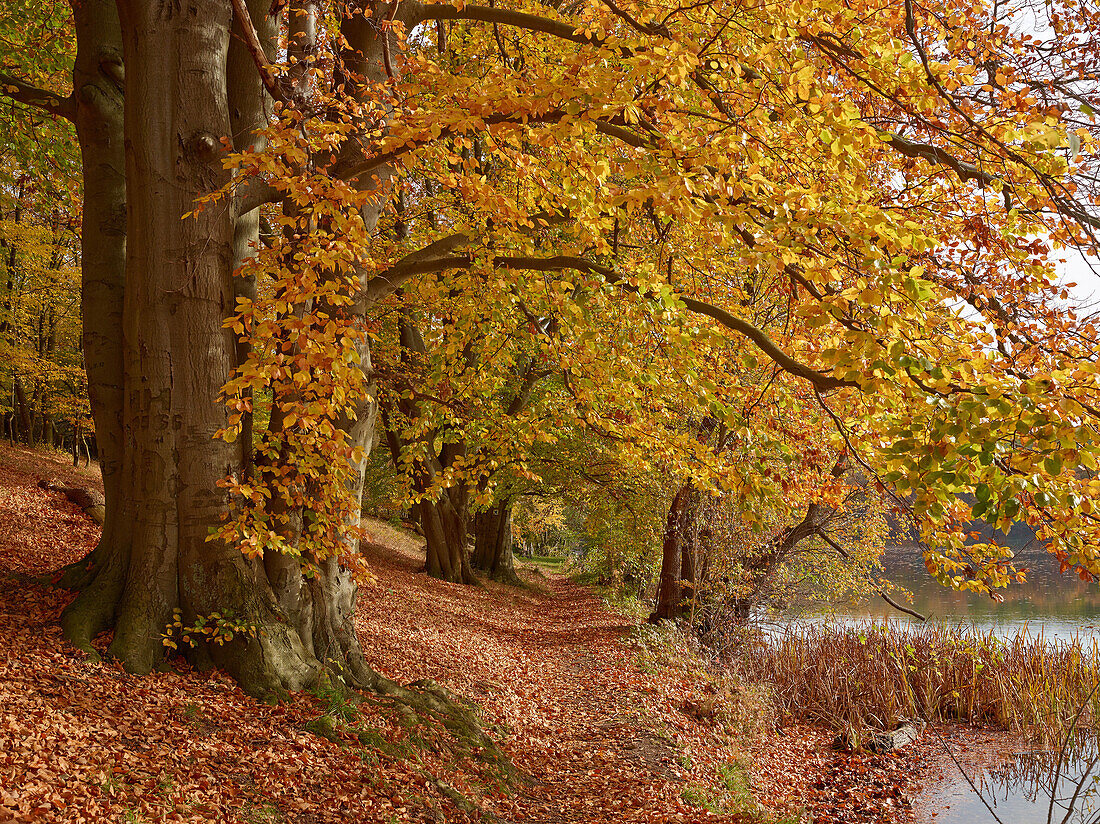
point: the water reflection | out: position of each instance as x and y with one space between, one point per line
1030 788
1058 606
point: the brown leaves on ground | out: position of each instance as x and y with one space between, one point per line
597 736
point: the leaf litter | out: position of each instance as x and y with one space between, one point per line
553 675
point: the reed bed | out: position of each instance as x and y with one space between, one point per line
878 674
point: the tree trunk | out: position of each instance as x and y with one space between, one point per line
98 93
444 519
248 110
493 543
445 525
669 591
158 356
25 427
689 539
155 558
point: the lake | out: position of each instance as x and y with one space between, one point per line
1051 605
1056 605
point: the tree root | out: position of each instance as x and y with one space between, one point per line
458 799
89 500
425 698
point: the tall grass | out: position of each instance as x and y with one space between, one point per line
878 674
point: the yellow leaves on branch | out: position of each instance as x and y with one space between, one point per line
870 190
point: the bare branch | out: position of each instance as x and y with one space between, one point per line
881 592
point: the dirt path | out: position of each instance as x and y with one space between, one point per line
85 742
599 737
597 717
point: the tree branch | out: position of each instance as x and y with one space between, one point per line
30 95
934 154
506 17
435 257
256 49
881 592
821 381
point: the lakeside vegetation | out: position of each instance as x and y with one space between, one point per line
877 675
708 303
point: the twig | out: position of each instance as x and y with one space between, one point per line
959 766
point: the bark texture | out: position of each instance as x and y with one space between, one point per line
677 544
443 514
163 356
493 548
157 289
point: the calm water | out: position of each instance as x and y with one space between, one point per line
1058 606
1053 605
1019 792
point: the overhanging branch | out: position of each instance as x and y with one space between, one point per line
505 17
435 257
820 380
29 95
882 593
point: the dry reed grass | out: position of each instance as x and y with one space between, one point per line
876 675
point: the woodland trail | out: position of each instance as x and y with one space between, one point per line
599 737
82 741
595 711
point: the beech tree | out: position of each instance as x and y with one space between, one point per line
872 166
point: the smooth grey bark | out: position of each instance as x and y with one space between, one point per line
249 107
98 82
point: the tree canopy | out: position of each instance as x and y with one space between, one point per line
820 229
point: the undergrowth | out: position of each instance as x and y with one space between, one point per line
732 794
877 675
617 597
742 707
742 710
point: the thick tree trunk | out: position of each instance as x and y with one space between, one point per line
677 525
445 526
98 93
493 543
158 356
155 557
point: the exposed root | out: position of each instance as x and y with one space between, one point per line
425 698
74 576
458 799
89 500
508 577
93 609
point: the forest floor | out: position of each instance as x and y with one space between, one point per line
604 719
